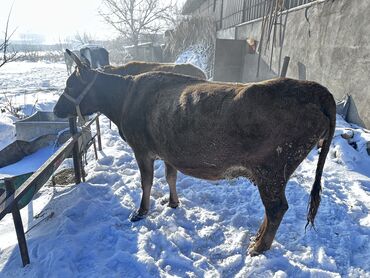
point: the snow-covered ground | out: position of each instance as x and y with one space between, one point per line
196 55
85 231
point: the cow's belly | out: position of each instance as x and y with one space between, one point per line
216 173
201 174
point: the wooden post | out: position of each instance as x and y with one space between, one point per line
285 66
83 174
98 133
95 150
301 71
244 10
17 219
222 13
76 154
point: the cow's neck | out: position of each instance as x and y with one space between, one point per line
111 91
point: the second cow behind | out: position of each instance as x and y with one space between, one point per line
135 68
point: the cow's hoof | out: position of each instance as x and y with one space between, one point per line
173 204
253 252
137 216
252 249
170 204
256 248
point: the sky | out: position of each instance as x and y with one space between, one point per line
54 19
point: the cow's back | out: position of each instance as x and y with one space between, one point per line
136 67
189 69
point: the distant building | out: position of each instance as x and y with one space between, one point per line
148 52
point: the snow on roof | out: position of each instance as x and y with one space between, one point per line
91 46
139 45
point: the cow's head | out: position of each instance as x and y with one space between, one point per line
79 96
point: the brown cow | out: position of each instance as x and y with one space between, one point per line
136 67
212 130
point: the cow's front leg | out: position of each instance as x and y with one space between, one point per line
171 176
273 198
146 172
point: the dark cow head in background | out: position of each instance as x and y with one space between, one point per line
96 56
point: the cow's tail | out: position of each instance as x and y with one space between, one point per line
329 109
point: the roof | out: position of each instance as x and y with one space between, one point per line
191 5
139 45
90 46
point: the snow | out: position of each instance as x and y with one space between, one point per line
7 130
83 230
196 55
31 87
29 163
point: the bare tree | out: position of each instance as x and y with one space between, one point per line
7 57
133 18
84 38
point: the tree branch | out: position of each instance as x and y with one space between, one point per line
133 18
4 46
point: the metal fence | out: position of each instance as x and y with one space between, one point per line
228 13
233 12
239 11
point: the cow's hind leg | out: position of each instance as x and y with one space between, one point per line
146 171
171 176
273 198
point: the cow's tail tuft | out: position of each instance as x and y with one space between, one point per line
329 110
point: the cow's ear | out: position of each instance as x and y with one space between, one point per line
76 59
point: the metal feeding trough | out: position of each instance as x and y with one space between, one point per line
37 131
39 124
